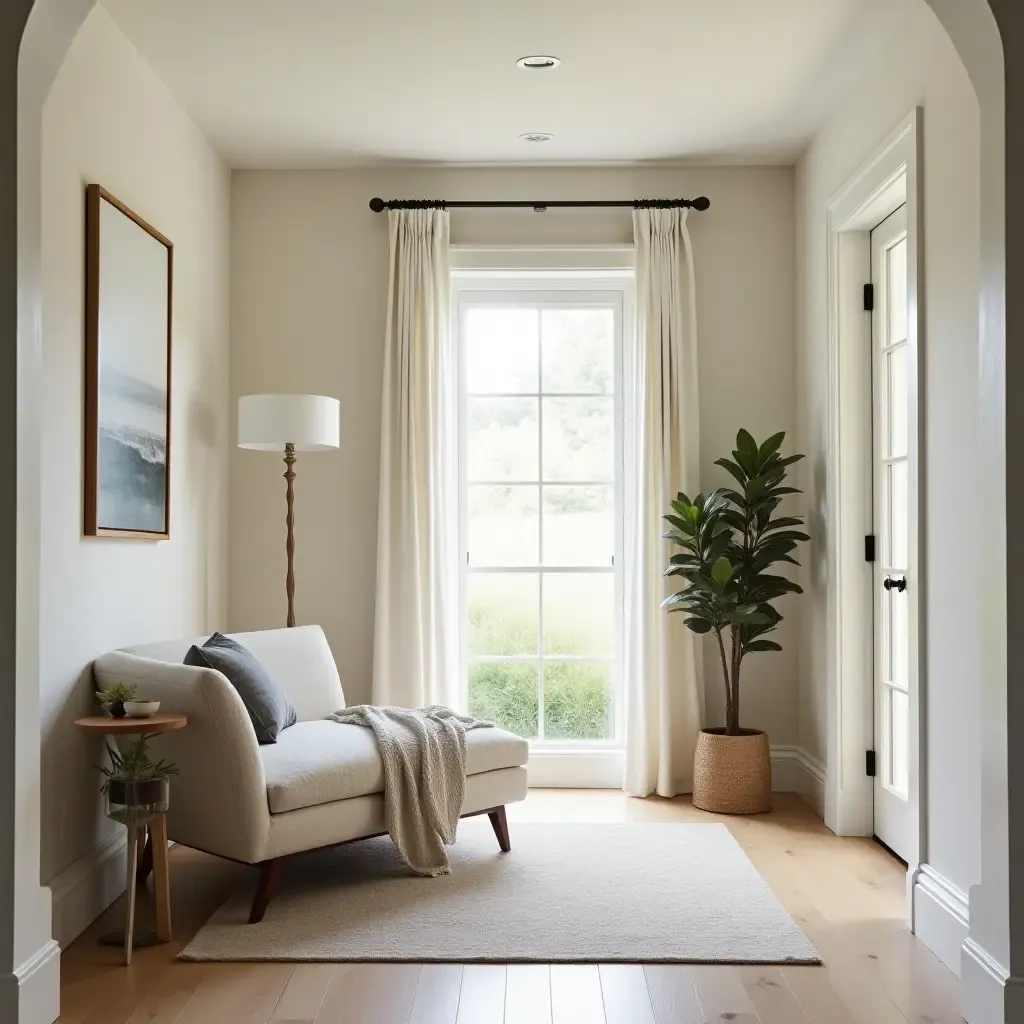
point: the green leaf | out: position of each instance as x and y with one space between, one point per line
752 619
761 645
785 537
746 461
772 445
698 625
782 523
746 444
721 571
683 525
733 470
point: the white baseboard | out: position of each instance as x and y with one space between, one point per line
941 915
990 994
793 771
84 889
31 995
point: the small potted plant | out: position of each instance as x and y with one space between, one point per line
135 784
113 698
730 541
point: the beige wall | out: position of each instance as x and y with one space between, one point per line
920 67
109 120
309 292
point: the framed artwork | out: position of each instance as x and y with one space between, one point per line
129 271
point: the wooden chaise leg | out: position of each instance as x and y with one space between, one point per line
270 874
500 825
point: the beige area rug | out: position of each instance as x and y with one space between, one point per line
669 893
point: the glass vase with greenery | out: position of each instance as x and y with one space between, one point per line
134 783
731 539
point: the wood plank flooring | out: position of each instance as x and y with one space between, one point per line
847 894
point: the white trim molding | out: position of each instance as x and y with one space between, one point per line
84 889
794 770
991 993
890 177
941 915
32 992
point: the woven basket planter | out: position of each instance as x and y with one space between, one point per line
732 774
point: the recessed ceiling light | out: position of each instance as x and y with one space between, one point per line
537 137
538 62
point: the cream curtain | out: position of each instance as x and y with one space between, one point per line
415 652
664 689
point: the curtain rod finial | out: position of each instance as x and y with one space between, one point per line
377 204
700 203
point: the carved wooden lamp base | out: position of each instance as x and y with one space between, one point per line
289 423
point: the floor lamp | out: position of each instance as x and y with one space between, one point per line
289 424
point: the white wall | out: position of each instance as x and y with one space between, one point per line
110 120
309 292
919 67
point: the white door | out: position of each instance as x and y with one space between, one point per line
896 531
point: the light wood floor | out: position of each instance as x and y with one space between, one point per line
847 894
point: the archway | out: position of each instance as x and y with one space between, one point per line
36 34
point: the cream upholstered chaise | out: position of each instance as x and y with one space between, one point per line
320 784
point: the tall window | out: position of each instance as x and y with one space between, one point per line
540 473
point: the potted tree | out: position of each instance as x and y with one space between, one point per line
731 539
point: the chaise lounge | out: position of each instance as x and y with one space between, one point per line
319 785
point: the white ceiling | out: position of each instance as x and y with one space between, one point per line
294 83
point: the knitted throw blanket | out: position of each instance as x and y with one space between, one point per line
424 756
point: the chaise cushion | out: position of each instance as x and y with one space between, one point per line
318 762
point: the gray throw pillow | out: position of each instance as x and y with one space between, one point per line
268 705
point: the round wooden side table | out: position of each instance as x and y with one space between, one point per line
155 849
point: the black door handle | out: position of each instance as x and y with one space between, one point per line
891 584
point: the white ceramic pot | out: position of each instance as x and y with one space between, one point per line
141 708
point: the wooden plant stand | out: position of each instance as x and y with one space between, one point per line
143 855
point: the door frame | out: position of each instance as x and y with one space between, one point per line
891 177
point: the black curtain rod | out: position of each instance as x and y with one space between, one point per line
539 206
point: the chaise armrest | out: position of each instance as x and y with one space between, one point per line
219 800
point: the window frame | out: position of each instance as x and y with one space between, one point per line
539 287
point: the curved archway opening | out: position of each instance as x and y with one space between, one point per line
27 958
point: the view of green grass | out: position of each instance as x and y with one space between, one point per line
577 698
503 620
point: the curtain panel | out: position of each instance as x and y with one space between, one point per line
415 659
664 687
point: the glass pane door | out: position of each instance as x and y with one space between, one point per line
895 530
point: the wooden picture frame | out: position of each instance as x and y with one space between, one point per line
129 278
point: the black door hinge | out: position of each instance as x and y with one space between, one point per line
869 763
869 297
869 548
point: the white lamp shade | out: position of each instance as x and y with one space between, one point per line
312 423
